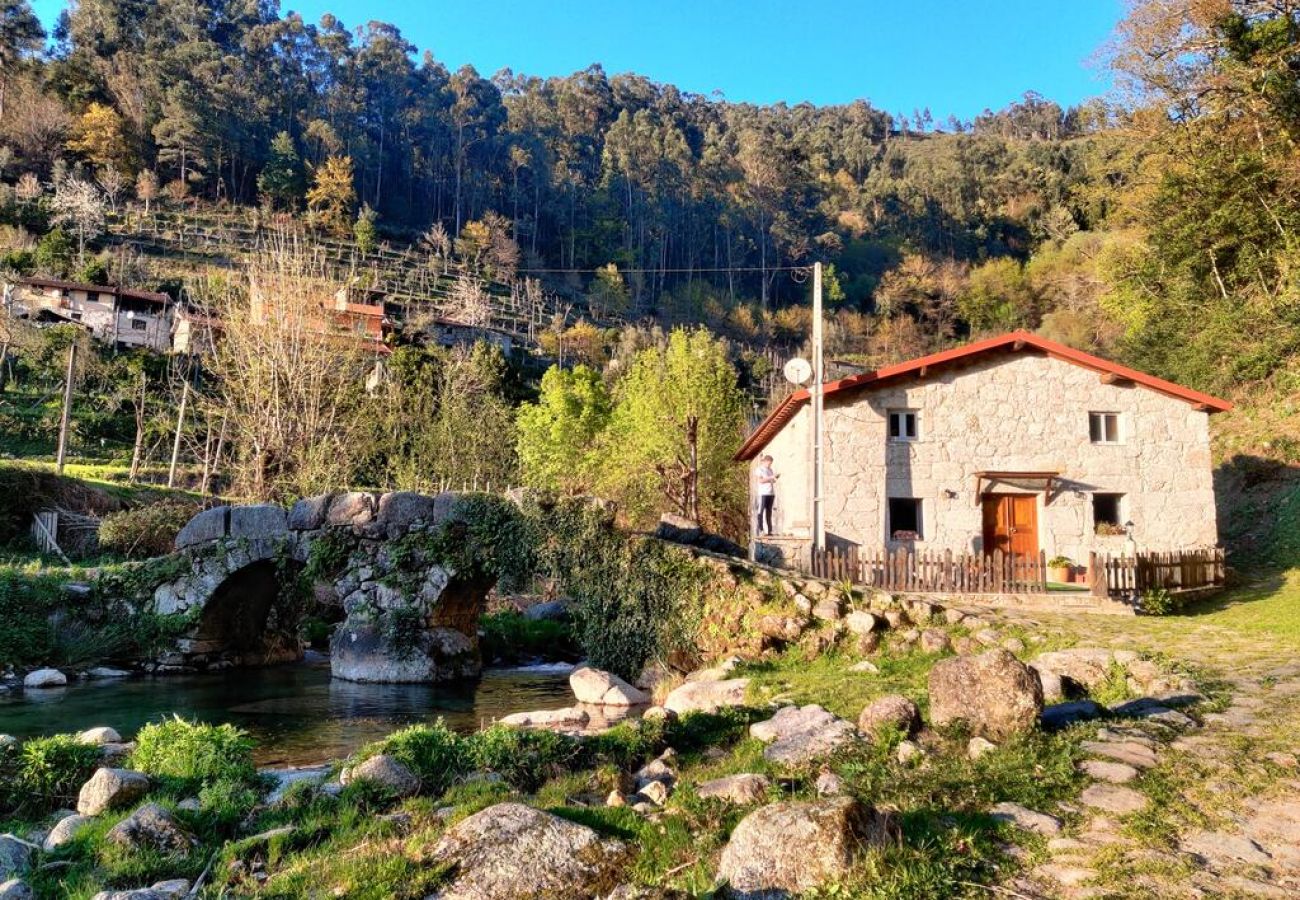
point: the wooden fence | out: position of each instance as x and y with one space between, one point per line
1131 576
934 572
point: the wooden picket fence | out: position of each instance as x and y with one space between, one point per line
1132 576
934 572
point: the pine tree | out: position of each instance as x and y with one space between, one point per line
281 182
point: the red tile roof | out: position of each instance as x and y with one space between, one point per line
130 293
1010 342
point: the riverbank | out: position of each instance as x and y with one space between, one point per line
674 803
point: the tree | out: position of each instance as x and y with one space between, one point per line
363 231
100 136
281 182
332 194
80 206
146 188
678 417
558 432
54 253
20 34
290 387
607 295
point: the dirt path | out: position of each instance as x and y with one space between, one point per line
1180 808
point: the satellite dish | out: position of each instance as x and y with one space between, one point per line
798 370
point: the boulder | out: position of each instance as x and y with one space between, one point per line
15 856
101 735
352 508
15 889
828 784
935 641
364 651
310 513
1026 819
153 828
111 789
551 611
783 629
105 672
1053 685
1085 666
707 696
208 525
570 718
892 711
977 747
64 831
829 608
44 678
260 522
791 848
384 771
512 850
862 622
742 790
176 889
602 688
678 529
1060 715
399 510
994 693
800 735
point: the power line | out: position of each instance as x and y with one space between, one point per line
657 271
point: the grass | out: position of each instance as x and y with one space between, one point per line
1271 609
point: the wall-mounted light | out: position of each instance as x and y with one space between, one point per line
1079 495
950 493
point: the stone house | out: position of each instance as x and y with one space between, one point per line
121 316
1015 443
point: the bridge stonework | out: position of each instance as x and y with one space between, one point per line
406 615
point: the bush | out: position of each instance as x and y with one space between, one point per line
433 752
44 773
146 530
26 600
191 755
226 802
1158 602
524 758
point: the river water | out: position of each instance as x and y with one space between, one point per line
297 713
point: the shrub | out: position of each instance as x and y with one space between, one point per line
524 758
1158 602
191 755
434 752
25 602
45 772
146 530
226 802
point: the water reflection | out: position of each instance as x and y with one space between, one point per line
297 713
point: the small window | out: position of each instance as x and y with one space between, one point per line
903 425
904 519
76 315
1107 515
139 325
1103 427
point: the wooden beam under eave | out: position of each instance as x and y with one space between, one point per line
923 371
1018 345
1114 378
1202 407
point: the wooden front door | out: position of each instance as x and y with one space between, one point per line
1011 523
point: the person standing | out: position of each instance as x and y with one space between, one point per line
766 492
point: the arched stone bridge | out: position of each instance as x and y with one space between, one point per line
248 573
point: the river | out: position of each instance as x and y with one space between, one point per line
297 713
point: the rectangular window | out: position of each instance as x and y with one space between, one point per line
905 519
76 316
1103 427
1107 513
903 425
139 325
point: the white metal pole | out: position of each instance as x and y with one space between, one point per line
819 523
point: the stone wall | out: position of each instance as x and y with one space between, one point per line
1022 412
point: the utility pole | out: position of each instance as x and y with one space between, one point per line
819 475
67 408
180 425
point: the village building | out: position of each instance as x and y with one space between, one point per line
121 316
1015 443
448 333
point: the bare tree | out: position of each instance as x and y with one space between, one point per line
289 380
80 205
113 183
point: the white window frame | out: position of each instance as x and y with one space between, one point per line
901 416
1103 416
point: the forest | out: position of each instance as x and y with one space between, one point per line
1155 225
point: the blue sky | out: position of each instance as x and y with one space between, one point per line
955 56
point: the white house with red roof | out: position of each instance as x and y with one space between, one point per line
1015 443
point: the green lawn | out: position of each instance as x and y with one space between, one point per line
1270 607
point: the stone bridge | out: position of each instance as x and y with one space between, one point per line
247 575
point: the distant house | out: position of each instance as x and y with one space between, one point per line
334 312
194 330
121 316
453 333
1015 443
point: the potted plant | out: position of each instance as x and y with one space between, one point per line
1058 568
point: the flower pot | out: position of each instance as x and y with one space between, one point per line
1060 574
